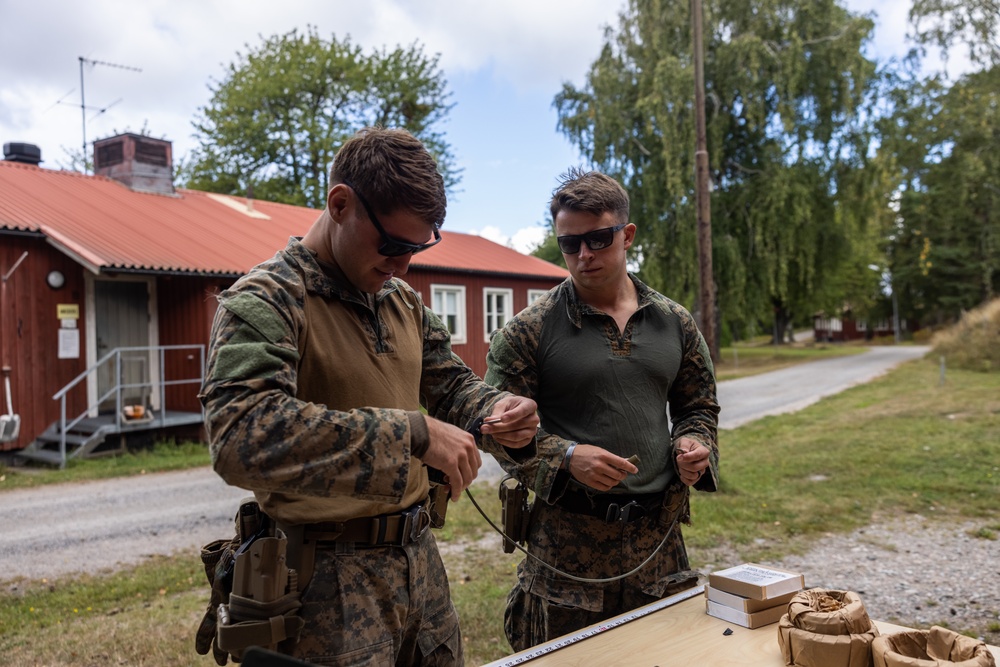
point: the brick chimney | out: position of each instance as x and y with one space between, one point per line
142 163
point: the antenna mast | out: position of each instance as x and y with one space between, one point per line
83 105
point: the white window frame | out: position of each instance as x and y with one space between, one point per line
535 294
460 335
488 315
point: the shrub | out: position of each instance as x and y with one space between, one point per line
974 342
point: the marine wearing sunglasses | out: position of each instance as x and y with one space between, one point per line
389 246
599 239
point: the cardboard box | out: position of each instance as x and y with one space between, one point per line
758 582
754 620
746 605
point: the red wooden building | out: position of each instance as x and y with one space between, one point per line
108 285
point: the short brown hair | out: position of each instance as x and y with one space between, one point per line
393 171
591 192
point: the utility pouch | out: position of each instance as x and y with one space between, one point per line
437 500
676 505
514 511
216 556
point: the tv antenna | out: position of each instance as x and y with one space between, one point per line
83 104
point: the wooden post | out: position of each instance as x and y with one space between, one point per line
706 299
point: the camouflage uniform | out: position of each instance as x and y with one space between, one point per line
569 357
359 607
312 401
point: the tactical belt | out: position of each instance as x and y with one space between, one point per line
398 529
611 507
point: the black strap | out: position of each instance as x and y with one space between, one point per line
611 507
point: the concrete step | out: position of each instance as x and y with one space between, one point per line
42 456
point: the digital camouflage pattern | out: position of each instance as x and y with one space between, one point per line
312 400
543 605
380 606
346 442
528 357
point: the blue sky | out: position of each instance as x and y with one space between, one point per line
504 63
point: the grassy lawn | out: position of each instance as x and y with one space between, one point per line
162 457
903 443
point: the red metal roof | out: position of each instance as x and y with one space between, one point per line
107 226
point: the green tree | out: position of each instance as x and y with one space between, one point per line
946 23
945 248
548 249
284 107
943 136
790 97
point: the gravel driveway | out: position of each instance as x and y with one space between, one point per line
91 526
899 566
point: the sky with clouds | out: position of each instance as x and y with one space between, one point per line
504 63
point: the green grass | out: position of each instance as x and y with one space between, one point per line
163 456
35 605
145 615
903 443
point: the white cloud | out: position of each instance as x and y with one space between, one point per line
182 45
492 233
527 239
510 57
524 240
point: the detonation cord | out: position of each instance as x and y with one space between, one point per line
561 573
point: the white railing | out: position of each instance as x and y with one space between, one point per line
113 361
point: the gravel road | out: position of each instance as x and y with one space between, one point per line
93 526
910 571
797 387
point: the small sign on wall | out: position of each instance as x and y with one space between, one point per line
69 334
69 343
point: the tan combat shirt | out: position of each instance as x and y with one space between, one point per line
313 389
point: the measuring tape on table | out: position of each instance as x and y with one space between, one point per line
563 642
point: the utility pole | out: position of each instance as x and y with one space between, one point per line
83 104
706 300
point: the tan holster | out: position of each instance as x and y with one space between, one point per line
255 597
263 607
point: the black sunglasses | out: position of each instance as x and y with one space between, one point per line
599 239
391 247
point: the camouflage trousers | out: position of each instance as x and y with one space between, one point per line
543 605
379 607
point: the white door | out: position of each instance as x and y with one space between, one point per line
121 319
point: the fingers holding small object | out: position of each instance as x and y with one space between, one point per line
691 477
514 434
634 460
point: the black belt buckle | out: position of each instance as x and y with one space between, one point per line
415 521
631 511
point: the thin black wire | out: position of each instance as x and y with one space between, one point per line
585 580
